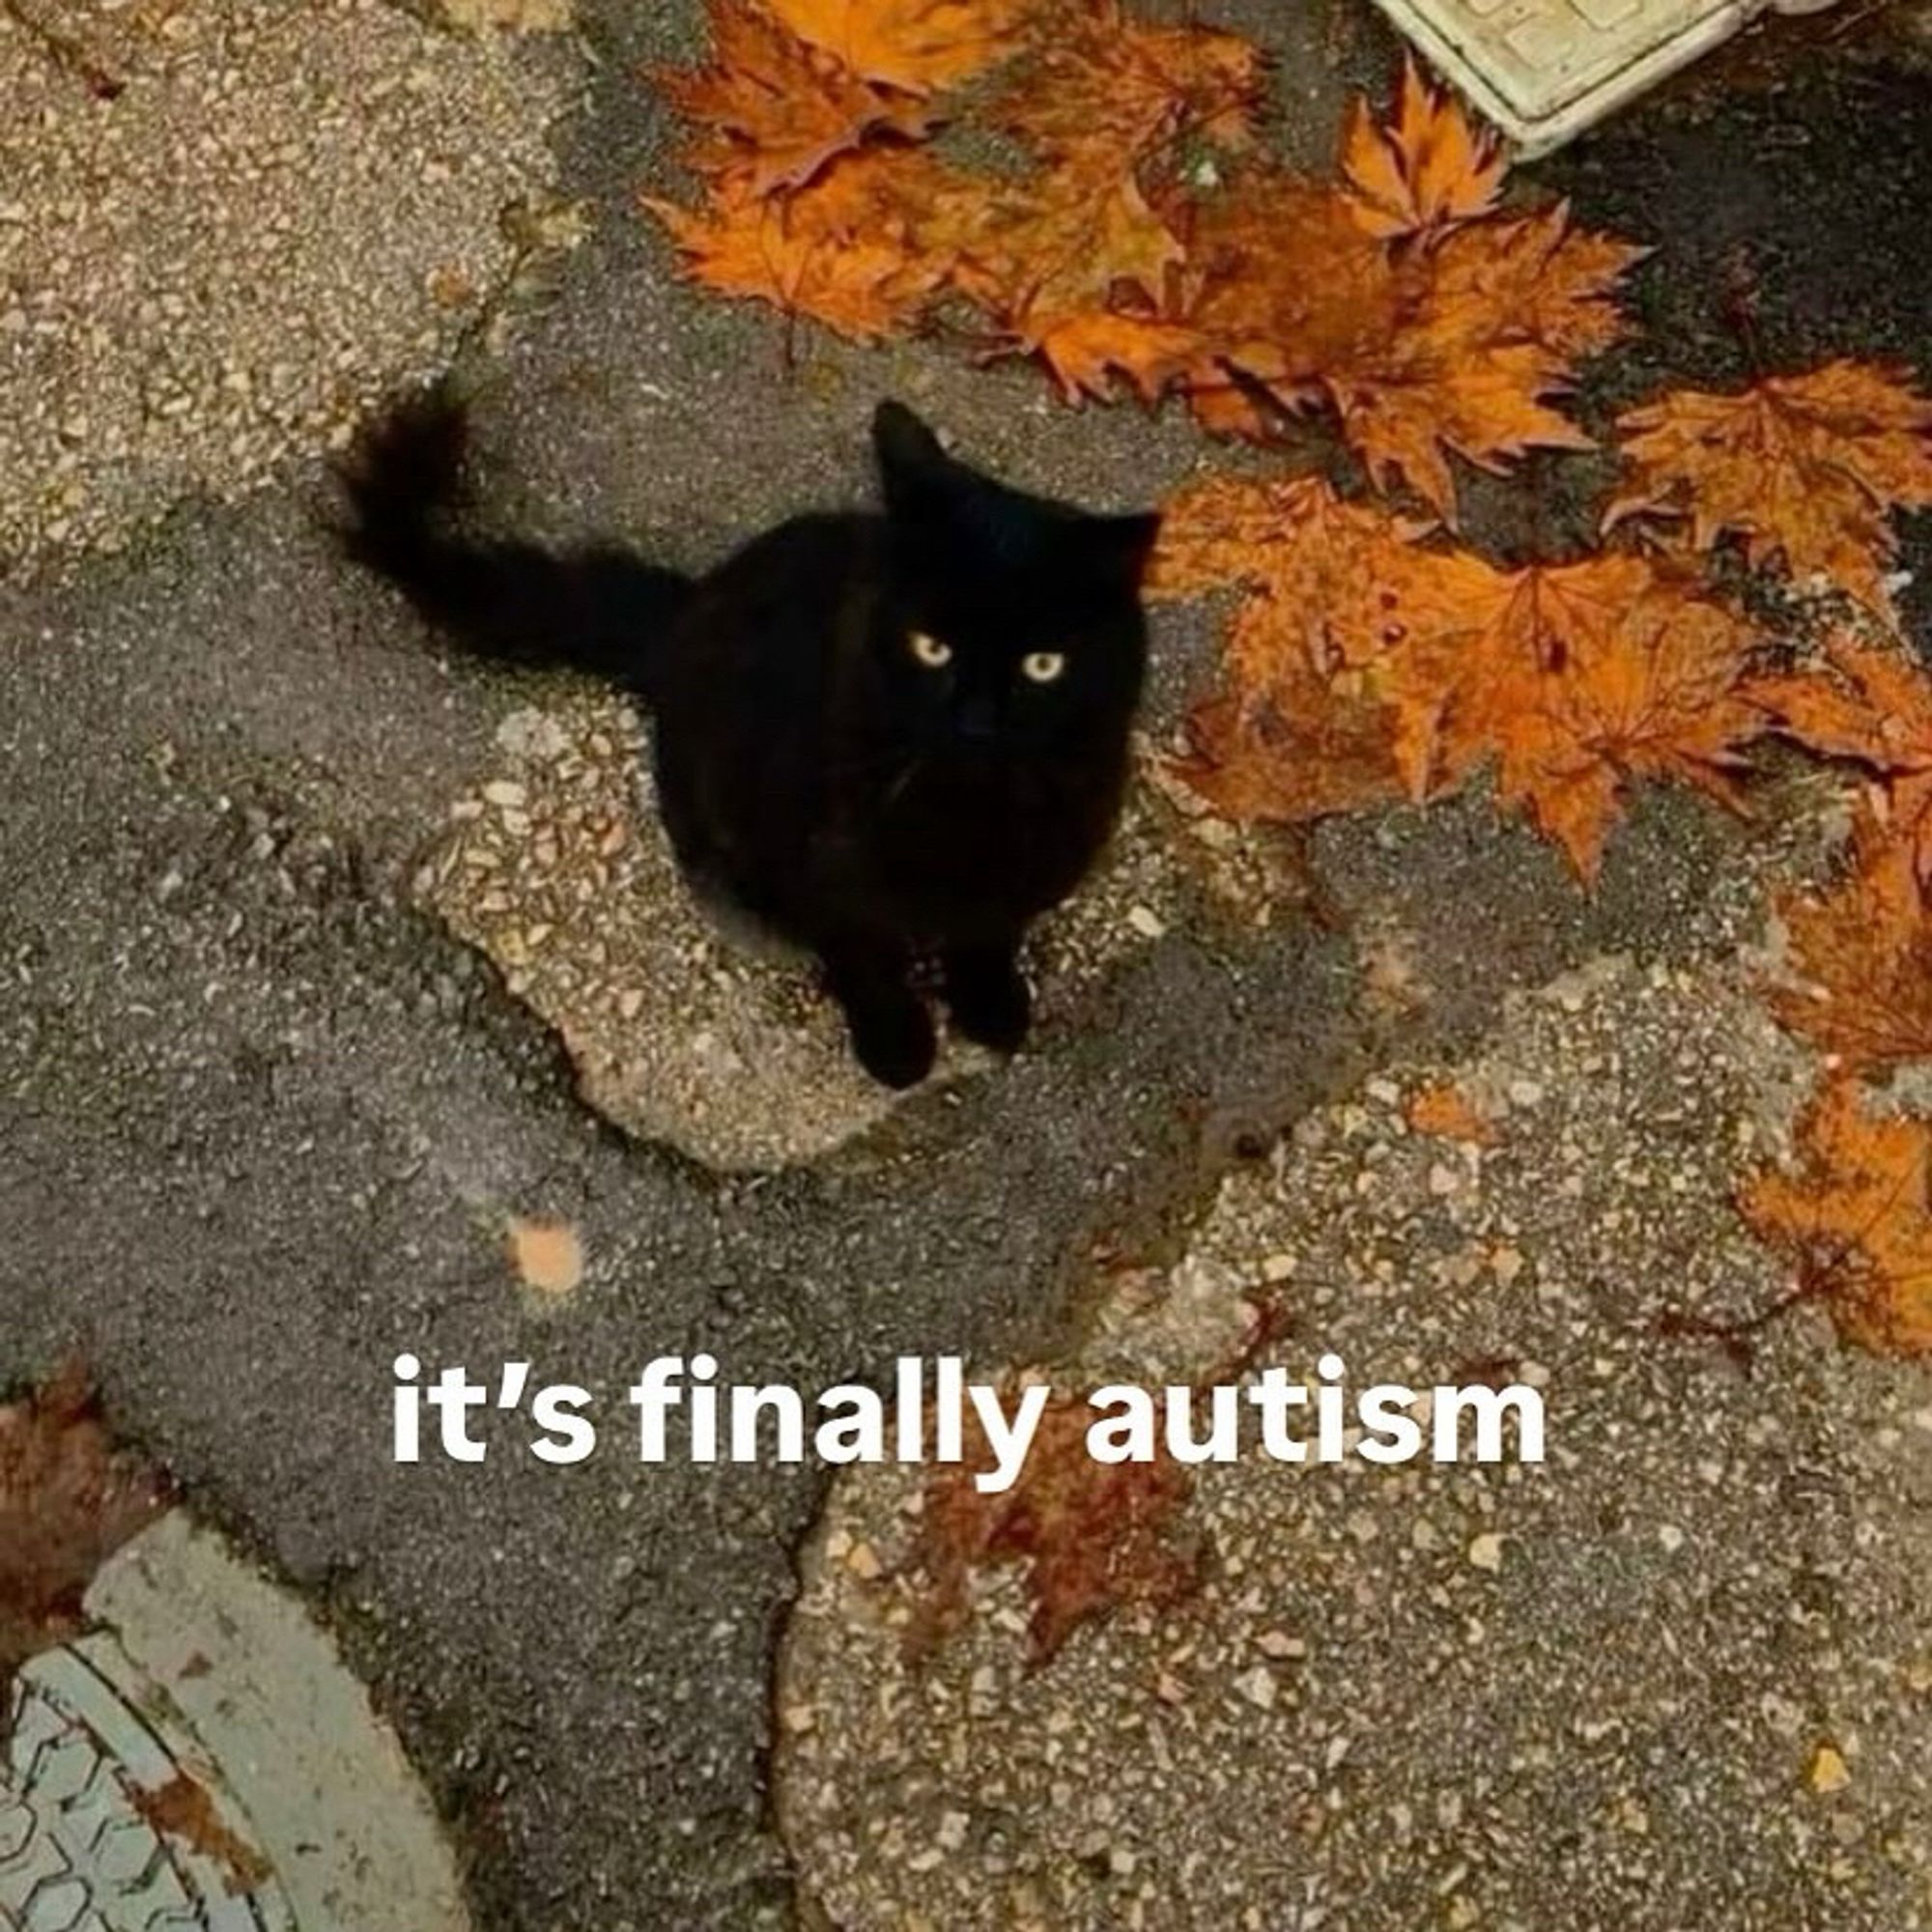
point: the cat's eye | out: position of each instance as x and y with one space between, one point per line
933 654
1043 667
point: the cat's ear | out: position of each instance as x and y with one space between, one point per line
909 454
1122 546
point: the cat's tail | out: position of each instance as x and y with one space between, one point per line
600 610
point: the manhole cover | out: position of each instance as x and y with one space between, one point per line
203 1762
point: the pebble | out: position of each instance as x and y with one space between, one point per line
1486 1551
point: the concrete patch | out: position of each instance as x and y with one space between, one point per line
225 229
1589 1692
205 1760
557 868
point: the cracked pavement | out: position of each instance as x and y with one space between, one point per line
263 1117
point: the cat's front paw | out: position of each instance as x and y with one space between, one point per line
989 998
893 1040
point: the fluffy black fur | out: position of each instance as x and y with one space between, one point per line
893 738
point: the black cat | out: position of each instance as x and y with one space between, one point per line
895 739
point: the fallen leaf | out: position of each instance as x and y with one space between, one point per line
547 1255
1131 87
1048 262
1806 469
1448 1113
919 45
1458 348
1091 1535
1430 170
68 1500
1856 1218
772 109
1861 952
846 250
1870 705
1570 680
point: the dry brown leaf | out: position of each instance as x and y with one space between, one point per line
1457 348
1132 87
919 45
1048 259
1091 1535
68 1500
1862 952
1429 170
1447 1113
1804 468
850 249
547 1255
1856 1218
772 110
1572 679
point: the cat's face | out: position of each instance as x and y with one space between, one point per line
1010 627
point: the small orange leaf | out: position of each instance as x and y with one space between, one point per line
1861 952
848 250
1804 468
1429 171
1856 1218
1447 1113
773 110
547 1255
1132 87
914 45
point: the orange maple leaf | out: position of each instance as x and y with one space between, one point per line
1804 468
1132 87
1856 1218
1488 327
1326 563
1459 347
772 109
853 249
1865 704
919 45
1861 952
1572 679
1298 747
1429 171
1050 262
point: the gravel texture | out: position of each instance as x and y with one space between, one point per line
262 1122
1362 1719
226 229
684 1032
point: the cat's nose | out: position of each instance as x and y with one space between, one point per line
979 719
